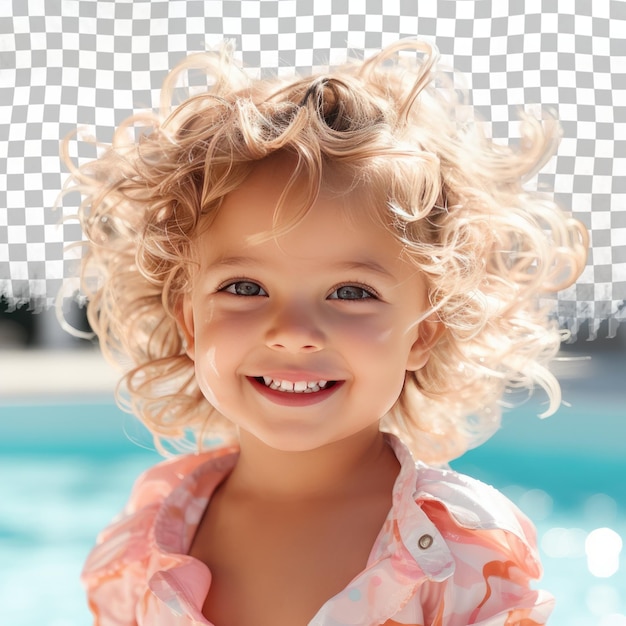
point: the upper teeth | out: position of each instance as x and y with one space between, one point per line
302 386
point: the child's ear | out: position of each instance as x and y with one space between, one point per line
429 331
184 319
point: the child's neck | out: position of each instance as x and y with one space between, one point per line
338 469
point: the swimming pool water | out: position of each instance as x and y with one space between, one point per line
60 485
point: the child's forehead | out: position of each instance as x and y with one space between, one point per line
259 216
293 187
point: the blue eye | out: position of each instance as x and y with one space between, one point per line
351 292
244 288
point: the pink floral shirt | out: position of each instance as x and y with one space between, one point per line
452 552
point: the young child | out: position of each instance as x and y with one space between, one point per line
327 283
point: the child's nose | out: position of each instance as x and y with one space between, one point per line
295 329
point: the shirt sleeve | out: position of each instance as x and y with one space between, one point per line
115 572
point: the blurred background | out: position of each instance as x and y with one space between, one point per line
69 456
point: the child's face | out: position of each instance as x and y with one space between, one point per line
331 300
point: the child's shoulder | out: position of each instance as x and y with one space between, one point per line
130 536
457 511
452 532
471 502
473 516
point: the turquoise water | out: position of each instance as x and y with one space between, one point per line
66 469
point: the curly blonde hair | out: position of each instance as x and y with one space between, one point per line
393 124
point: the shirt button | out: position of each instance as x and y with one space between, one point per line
425 541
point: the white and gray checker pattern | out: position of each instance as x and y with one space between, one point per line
91 63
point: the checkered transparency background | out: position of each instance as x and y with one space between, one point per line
91 63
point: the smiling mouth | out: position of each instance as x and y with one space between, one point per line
302 386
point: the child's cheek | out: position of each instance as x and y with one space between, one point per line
375 330
207 371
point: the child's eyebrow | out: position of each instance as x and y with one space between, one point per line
236 261
368 265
